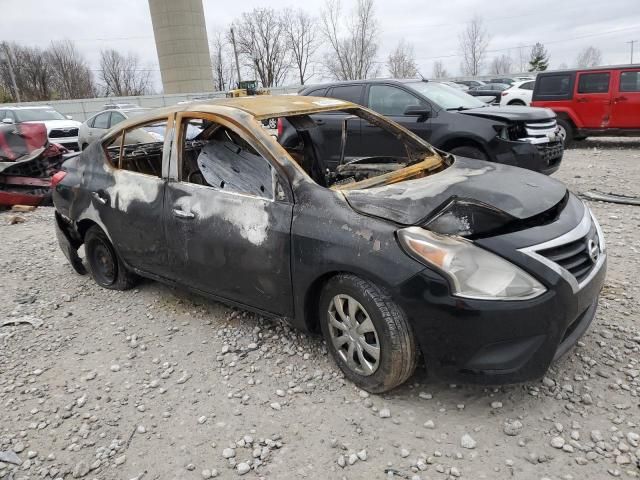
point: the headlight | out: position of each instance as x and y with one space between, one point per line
473 271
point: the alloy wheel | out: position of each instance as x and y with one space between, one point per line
354 335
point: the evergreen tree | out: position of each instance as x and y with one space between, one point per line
539 60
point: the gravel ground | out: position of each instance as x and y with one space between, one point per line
156 383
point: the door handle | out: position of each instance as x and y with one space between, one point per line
620 99
101 197
319 122
582 100
182 214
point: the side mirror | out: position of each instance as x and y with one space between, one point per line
69 117
7 121
421 111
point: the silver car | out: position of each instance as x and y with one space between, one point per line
97 125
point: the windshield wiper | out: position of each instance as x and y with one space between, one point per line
457 109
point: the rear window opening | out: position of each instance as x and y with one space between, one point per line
333 155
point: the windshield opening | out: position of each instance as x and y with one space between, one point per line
36 114
445 96
344 159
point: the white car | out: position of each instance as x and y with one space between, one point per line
519 93
98 124
61 129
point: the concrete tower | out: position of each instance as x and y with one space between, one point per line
182 45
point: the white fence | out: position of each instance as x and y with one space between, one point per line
84 108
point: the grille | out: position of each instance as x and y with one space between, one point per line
63 133
541 128
551 152
574 256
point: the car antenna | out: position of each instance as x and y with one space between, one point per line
422 77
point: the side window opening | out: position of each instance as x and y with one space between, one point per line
217 157
139 149
388 100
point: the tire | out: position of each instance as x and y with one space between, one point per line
566 132
105 265
519 103
469 152
385 327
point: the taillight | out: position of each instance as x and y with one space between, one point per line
280 127
57 178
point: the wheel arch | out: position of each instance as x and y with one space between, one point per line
455 142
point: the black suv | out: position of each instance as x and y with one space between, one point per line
448 118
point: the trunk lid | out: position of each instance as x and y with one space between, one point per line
517 192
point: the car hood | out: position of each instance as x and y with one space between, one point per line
515 191
511 113
51 124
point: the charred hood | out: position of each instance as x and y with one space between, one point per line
511 113
514 193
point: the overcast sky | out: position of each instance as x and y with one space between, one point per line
432 27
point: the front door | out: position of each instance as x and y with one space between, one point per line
592 99
625 105
228 220
392 102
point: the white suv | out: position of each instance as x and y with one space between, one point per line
97 125
519 93
61 129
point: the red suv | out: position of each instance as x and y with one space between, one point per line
602 101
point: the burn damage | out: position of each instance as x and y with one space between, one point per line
27 163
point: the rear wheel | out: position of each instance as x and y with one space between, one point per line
367 334
469 152
105 265
566 131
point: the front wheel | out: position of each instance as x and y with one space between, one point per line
105 265
469 152
367 334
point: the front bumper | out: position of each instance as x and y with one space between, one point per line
539 157
492 342
70 143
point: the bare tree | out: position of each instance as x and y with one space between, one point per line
261 38
352 40
71 75
221 62
31 71
589 57
302 34
438 70
501 65
123 76
473 44
401 63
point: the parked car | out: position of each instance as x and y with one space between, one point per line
471 83
505 80
457 85
446 117
519 93
98 124
492 91
61 129
601 101
492 272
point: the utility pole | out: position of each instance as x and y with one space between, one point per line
235 53
9 53
632 42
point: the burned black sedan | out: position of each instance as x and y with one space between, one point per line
489 272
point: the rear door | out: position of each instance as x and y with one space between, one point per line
592 99
391 101
228 216
127 196
329 137
625 105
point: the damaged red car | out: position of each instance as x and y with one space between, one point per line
28 162
488 272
